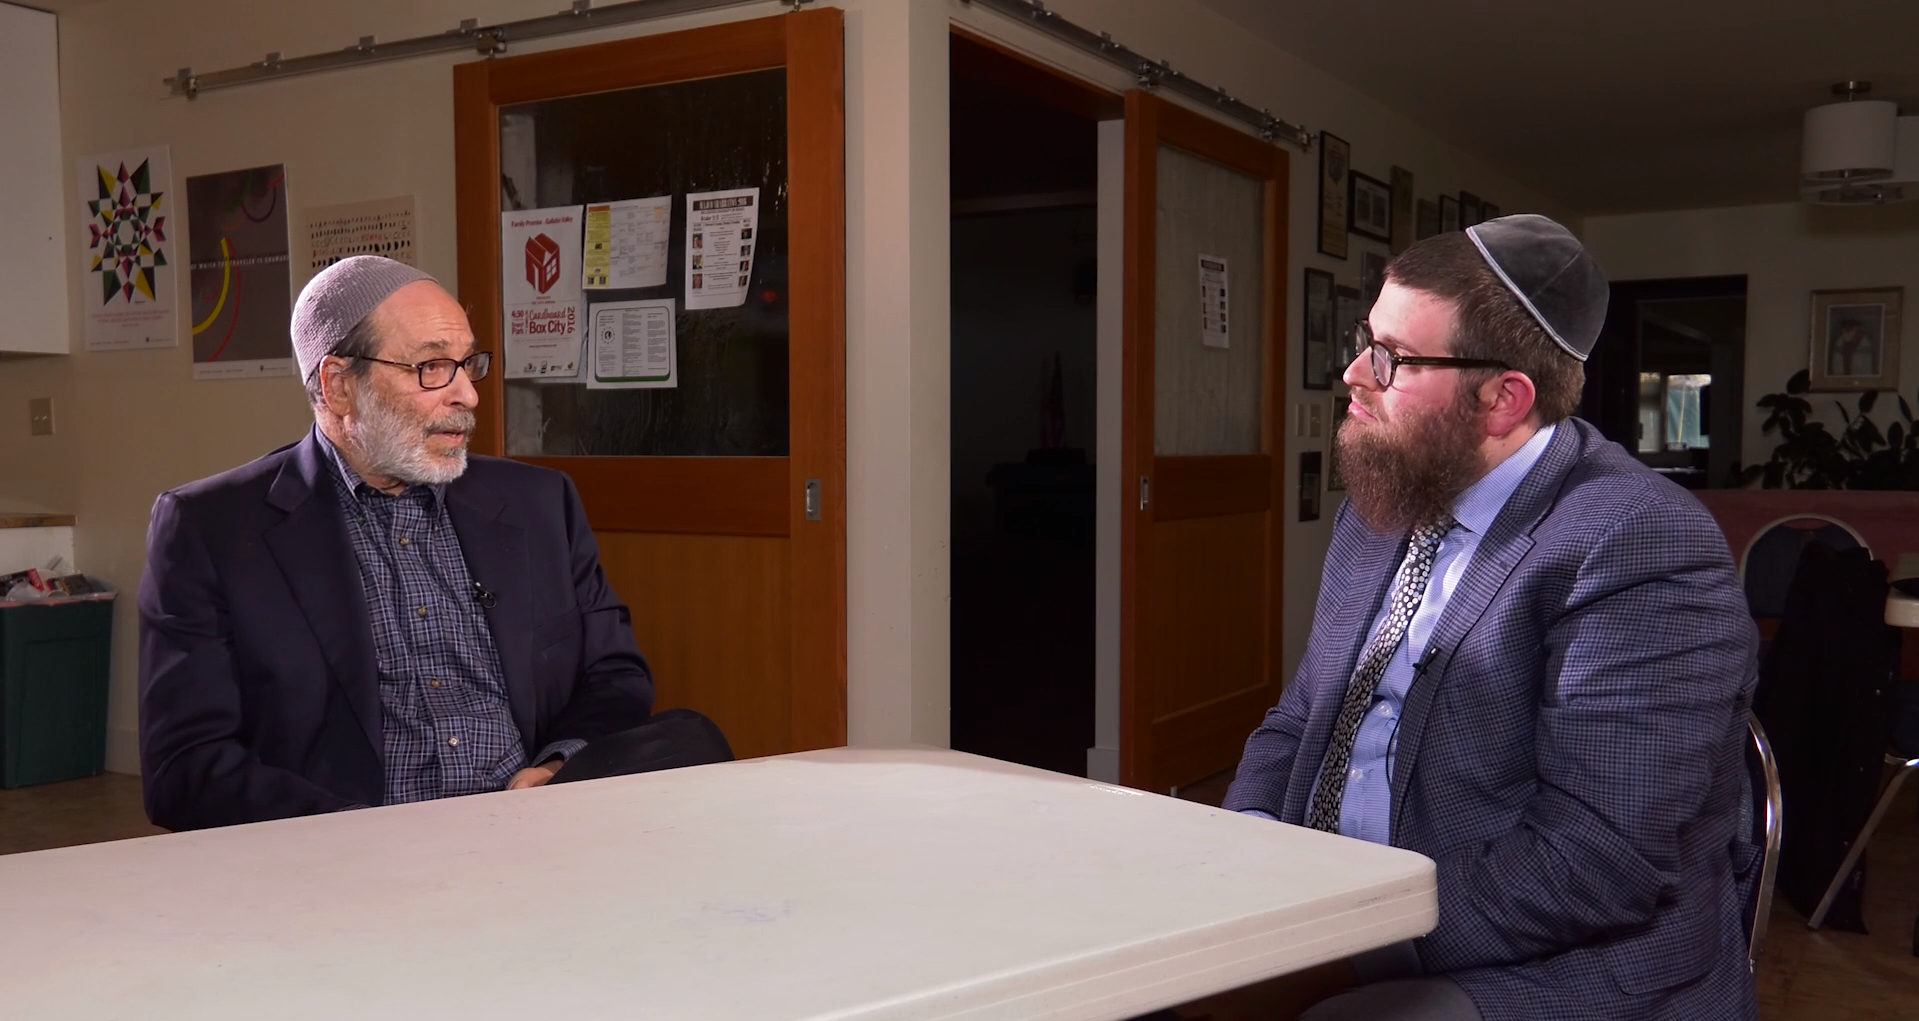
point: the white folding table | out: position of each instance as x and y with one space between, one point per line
868 884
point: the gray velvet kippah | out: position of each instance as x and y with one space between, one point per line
1548 269
339 298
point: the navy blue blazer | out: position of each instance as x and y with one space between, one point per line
259 698
1570 757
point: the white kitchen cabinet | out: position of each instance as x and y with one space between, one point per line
33 249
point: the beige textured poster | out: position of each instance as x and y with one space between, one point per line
376 227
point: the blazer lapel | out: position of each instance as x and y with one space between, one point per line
1370 567
495 548
311 547
1505 545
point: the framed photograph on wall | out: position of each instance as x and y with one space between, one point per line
1472 209
1321 336
1402 209
1448 214
1342 405
1335 161
1428 216
1855 339
1372 208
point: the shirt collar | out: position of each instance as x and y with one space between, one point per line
1480 504
357 486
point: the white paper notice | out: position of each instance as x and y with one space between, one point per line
720 229
626 243
634 346
1212 300
127 252
541 294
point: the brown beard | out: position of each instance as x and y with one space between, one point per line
1408 471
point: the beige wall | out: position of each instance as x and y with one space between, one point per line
133 424
1786 252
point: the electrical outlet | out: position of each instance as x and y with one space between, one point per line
40 416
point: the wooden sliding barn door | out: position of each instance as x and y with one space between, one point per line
1202 412
719 503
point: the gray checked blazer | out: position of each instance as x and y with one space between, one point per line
1570 756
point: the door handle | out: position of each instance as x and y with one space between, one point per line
1145 492
812 499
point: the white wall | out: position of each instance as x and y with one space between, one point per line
1786 252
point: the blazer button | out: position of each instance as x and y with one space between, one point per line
454 741
422 611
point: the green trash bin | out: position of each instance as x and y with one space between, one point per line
53 689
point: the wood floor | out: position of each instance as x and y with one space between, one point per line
99 808
1803 975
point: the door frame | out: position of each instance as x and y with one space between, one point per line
748 496
1189 487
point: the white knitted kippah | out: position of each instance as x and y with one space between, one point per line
339 298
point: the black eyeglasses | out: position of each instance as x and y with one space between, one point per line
1386 364
437 373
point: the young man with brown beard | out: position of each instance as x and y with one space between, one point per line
1531 661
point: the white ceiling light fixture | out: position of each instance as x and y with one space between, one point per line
1851 140
1901 185
1858 151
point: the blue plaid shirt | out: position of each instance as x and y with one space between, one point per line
443 705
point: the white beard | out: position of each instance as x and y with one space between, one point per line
394 445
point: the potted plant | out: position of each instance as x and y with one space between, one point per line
1811 456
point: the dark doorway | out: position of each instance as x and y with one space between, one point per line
1025 165
1667 380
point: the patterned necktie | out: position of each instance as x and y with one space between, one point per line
1409 588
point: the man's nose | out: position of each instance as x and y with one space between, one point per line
461 392
1359 372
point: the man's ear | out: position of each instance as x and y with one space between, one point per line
1508 399
335 385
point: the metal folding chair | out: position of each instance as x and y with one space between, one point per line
1768 817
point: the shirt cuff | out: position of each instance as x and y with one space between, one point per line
562 750
1257 814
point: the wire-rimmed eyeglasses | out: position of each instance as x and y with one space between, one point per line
1385 364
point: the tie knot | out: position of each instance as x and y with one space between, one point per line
1427 536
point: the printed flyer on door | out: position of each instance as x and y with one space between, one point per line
626 243
634 346
542 296
720 229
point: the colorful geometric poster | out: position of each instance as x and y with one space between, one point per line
242 295
127 251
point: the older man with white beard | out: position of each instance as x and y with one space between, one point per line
1531 661
370 616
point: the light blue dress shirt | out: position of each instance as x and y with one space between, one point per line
1366 812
